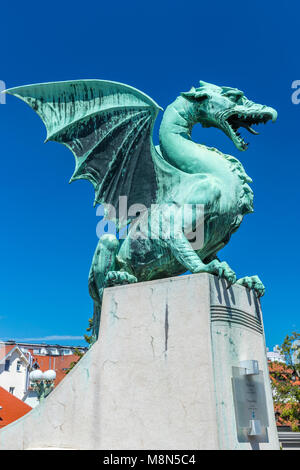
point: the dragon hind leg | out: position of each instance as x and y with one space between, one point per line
103 274
104 260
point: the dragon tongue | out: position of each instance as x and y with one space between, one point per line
249 128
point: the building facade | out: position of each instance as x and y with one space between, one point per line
275 355
17 360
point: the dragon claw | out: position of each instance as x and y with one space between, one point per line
222 270
114 278
252 282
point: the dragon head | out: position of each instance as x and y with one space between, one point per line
227 109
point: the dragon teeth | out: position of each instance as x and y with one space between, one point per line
249 128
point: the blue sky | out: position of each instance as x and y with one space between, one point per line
48 227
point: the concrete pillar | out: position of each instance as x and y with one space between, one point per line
160 375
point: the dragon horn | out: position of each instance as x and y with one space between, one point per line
202 83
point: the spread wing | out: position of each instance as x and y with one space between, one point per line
108 127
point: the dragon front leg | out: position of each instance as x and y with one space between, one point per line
185 254
252 282
114 278
182 249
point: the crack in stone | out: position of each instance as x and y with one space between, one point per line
108 361
117 317
152 347
152 310
166 328
183 406
114 309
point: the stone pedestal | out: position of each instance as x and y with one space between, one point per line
160 375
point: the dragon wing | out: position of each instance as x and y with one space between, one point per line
108 127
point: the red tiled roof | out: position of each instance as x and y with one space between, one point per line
12 408
5 348
57 363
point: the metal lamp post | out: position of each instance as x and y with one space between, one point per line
42 382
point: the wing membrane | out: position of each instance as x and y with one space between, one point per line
108 127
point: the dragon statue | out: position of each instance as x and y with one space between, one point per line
109 126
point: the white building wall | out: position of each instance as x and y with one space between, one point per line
13 377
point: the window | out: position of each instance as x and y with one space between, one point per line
36 351
11 390
7 364
19 364
53 352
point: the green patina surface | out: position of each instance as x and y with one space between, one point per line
108 126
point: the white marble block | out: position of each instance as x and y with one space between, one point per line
160 375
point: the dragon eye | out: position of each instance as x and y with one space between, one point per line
234 96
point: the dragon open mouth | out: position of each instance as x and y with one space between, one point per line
234 121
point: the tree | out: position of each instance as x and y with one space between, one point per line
89 338
290 349
77 352
285 381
